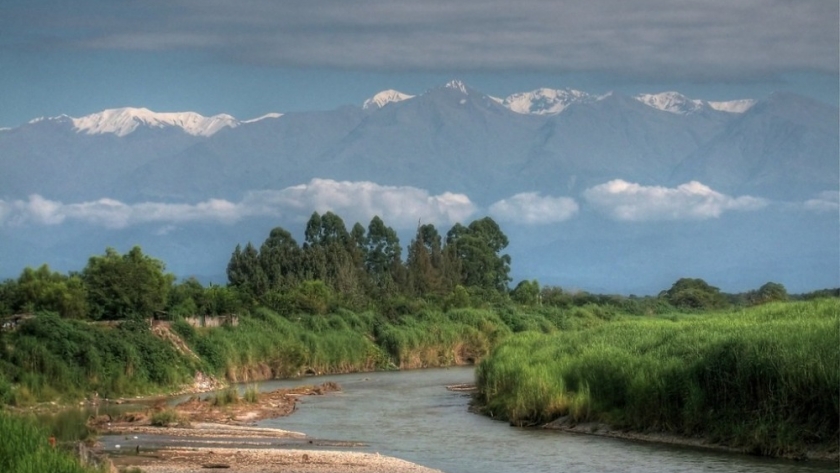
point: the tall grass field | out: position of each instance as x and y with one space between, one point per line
766 379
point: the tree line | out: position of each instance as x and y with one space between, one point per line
358 269
364 267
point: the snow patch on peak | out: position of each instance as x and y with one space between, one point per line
673 102
545 101
457 85
733 106
264 117
384 98
122 121
60 118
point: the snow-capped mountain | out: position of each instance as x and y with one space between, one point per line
457 85
384 98
267 116
675 102
126 120
733 106
122 121
449 140
545 101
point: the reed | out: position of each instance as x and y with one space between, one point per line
25 448
764 378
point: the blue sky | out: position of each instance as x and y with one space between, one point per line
248 58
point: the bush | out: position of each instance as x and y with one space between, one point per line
165 418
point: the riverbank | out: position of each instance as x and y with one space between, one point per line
600 429
238 460
221 433
762 380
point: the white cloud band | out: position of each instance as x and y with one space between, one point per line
629 201
401 207
533 209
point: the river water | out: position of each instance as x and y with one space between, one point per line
411 415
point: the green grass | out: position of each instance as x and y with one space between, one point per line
766 379
25 448
50 358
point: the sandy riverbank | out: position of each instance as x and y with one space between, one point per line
222 436
235 460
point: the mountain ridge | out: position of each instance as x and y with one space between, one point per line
601 182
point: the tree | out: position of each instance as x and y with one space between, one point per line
694 294
245 272
383 252
769 292
424 262
280 259
121 286
44 290
477 249
526 292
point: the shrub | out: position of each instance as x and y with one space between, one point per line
164 418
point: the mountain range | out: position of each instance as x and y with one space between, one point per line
602 192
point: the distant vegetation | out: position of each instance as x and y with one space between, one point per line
751 369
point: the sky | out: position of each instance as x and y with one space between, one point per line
250 57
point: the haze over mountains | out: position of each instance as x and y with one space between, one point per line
604 193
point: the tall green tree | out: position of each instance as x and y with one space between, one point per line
245 272
425 261
477 249
281 259
121 286
383 253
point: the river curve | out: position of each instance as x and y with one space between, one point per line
411 415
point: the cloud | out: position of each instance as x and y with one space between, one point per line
401 207
628 201
530 208
828 201
653 38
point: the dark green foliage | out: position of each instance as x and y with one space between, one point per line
769 292
121 286
478 249
44 290
56 355
526 293
694 294
364 268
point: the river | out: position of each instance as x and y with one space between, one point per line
411 415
